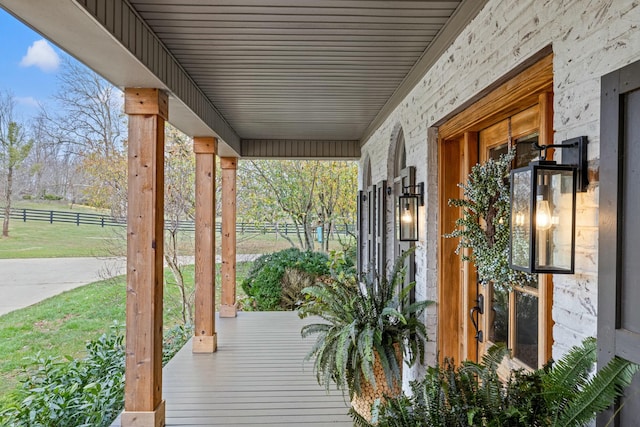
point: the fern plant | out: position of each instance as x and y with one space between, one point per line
561 394
362 318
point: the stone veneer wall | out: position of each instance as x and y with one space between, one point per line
589 38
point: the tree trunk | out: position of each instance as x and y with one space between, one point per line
7 209
309 234
283 235
171 258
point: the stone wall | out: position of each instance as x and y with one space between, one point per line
589 39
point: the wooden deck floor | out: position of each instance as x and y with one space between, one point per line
256 378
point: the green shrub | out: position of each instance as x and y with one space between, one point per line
562 394
51 197
174 339
80 392
264 282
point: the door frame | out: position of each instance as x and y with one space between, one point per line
458 151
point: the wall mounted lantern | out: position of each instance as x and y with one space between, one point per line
543 209
412 197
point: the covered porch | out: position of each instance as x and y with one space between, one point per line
285 79
257 377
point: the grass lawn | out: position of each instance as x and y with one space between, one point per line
35 239
61 325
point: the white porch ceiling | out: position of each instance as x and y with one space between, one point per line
269 70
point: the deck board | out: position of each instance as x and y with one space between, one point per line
256 378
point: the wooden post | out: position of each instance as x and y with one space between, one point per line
147 110
205 339
229 165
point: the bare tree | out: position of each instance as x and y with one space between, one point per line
92 117
52 169
14 149
90 125
179 205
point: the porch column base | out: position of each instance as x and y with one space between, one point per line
155 418
227 310
205 344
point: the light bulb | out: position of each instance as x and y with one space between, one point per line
519 219
543 215
407 218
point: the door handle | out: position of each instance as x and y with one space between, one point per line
477 310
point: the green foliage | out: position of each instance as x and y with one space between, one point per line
373 316
562 394
174 339
264 282
298 192
343 261
80 392
484 225
47 196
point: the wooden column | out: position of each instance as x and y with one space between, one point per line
205 339
229 165
147 110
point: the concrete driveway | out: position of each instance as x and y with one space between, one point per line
24 282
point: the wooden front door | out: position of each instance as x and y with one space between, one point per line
521 107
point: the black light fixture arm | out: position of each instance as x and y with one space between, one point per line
418 190
574 153
571 143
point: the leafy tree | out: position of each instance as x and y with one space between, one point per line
14 149
272 187
306 193
336 201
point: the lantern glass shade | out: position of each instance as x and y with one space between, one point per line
543 197
408 217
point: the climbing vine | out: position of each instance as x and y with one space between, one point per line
484 224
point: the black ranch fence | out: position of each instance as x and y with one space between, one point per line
80 218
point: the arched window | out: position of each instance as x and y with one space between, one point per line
400 160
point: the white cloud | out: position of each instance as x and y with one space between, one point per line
40 54
28 101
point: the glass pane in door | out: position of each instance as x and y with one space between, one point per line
499 316
526 346
525 150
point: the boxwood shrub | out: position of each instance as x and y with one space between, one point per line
264 282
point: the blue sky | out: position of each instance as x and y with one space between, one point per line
28 65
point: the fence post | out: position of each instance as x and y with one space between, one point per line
24 215
78 219
50 217
102 222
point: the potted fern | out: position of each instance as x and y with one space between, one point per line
369 328
562 394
